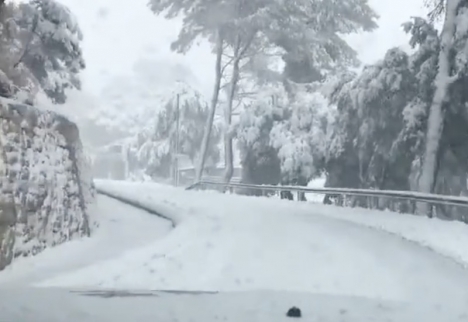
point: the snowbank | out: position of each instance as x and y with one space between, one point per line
46 187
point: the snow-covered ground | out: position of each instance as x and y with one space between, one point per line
260 255
122 228
234 243
447 238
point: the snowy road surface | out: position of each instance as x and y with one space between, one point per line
121 229
232 243
243 244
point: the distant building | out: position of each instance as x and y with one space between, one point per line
216 172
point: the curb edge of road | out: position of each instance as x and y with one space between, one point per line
135 204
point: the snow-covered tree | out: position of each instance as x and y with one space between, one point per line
260 162
245 28
450 171
282 139
371 147
12 78
383 116
452 66
40 48
52 49
187 119
177 129
300 137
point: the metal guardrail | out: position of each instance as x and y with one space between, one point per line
404 195
235 180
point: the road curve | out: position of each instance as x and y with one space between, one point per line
284 249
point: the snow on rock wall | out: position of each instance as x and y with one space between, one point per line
46 187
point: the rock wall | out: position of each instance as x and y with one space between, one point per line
46 186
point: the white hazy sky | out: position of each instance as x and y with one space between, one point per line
117 33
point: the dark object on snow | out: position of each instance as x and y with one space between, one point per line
328 200
301 196
331 199
286 195
294 312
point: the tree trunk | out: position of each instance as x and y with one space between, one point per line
436 113
214 103
228 135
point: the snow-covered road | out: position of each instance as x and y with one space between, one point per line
233 243
331 256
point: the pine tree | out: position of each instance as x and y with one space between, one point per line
243 27
370 121
52 53
40 46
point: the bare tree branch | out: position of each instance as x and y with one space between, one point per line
231 59
436 8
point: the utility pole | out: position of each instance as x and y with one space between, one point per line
176 161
